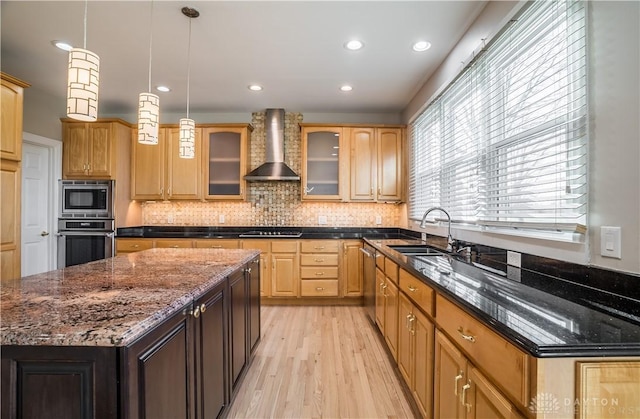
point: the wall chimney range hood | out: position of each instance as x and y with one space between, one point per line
274 168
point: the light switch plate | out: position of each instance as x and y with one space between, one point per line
322 219
378 219
221 219
610 242
514 259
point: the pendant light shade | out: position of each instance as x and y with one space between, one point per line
84 81
149 104
187 138
187 125
148 118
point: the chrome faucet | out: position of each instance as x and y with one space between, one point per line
450 241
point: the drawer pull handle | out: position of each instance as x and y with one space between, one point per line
318 260
319 247
175 246
412 288
455 382
319 273
319 289
464 336
216 246
135 246
464 395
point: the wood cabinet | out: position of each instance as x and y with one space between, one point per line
461 390
376 163
130 245
217 243
225 160
351 268
285 270
11 103
253 277
157 171
609 387
319 268
238 325
324 164
387 301
265 263
94 150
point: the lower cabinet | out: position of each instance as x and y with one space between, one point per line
387 311
238 325
285 262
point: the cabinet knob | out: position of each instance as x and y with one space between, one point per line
135 246
196 312
203 308
248 270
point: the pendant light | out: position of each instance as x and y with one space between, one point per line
148 104
84 80
188 126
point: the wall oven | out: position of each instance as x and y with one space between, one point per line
86 199
82 241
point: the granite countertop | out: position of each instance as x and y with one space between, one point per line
544 315
111 302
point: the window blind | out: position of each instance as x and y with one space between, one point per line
505 145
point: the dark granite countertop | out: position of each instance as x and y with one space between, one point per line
111 302
544 315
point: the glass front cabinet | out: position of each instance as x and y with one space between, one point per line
226 160
324 163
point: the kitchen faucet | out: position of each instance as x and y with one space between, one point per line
450 241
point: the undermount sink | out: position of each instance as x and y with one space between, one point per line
416 250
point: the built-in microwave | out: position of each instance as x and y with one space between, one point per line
86 198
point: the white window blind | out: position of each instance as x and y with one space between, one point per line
505 145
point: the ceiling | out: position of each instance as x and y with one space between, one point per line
293 49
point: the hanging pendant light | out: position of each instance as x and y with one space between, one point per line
148 104
188 126
84 80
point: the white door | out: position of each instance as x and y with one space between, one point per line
37 228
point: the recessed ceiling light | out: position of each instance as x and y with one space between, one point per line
163 89
346 88
255 87
421 46
62 45
354 45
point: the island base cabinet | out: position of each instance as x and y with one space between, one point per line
59 382
238 325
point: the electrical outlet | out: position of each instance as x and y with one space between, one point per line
322 219
514 259
378 219
170 218
221 219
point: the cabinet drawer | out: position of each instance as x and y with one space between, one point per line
135 245
507 365
391 270
315 272
319 260
217 244
319 246
263 245
289 246
319 288
174 243
419 292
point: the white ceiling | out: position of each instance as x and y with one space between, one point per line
294 49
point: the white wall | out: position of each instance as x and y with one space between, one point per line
614 89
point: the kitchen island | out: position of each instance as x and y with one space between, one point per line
159 333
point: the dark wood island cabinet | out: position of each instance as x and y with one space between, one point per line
166 333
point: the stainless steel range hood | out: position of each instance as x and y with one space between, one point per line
274 168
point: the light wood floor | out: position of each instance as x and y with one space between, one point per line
319 362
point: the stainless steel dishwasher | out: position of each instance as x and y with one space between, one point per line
369 280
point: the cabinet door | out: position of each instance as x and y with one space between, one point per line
381 286
225 153
183 175
147 168
323 163
10 185
265 263
126 245
483 400
11 126
74 150
389 152
450 376
405 339
363 164
99 148
211 355
238 325
391 317
254 303
422 357
351 273
284 277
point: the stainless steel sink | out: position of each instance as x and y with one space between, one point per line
416 250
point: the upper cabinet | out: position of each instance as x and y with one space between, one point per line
324 164
158 172
376 163
225 154
11 102
90 150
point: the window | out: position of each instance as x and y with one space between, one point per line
505 145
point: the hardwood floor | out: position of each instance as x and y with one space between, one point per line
319 362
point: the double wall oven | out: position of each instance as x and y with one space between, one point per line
86 230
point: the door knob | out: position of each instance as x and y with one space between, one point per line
44 233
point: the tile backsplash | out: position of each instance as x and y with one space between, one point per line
272 203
